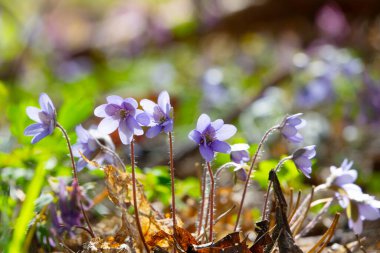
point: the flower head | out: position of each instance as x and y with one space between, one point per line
159 115
289 129
210 136
241 173
302 158
239 153
121 114
342 175
45 117
87 144
359 206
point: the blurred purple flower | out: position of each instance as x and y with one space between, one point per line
241 173
210 136
121 114
302 159
87 144
159 115
239 153
45 117
289 129
359 206
342 175
69 214
332 22
317 91
369 98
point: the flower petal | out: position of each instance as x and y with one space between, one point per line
153 131
203 122
34 129
169 126
100 111
217 124
206 153
108 125
220 146
113 99
82 134
369 212
132 102
195 136
163 101
225 132
40 136
46 103
33 113
125 133
81 164
148 106
356 226
142 117
302 162
289 131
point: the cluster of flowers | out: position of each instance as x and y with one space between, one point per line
359 206
125 116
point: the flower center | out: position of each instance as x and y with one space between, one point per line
123 113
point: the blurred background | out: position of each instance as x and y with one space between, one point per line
249 62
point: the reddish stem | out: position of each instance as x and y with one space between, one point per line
250 172
134 190
203 189
172 185
211 200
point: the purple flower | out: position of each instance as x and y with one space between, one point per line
359 206
342 175
210 136
239 153
45 117
87 144
240 173
70 214
289 129
121 114
159 115
302 159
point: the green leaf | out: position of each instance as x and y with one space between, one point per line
74 111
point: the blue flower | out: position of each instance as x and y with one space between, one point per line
210 136
87 144
159 115
239 153
342 175
302 159
289 129
121 114
45 117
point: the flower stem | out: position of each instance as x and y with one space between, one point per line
76 177
203 189
280 163
211 200
172 184
250 172
134 190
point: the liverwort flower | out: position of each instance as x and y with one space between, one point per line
45 117
239 153
302 159
159 115
121 114
87 144
359 206
342 175
290 126
210 136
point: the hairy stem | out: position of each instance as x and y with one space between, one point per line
211 200
280 163
172 185
203 189
134 195
250 172
76 177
